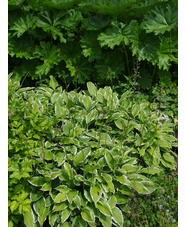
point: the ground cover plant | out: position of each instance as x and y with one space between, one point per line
80 158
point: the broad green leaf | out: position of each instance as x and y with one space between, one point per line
139 187
82 155
52 218
77 201
68 169
53 82
92 88
41 210
88 215
163 143
125 190
109 159
123 180
121 199
150 170
14 205
118 216
112 201
161 19
104 208
60 206
106 177
105 138
46 187
65 215
168 157
71 195
135 110
120 123
62 188
37 181
34 196
29 218
95 192
150 186
105 220
87 101
167 164
60 198
78 221
91 116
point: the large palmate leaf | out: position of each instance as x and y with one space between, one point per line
96 22
147 47
49 54
58 4
51 23
161 19
90 46
24 24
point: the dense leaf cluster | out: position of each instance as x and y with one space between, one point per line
76 159
80 41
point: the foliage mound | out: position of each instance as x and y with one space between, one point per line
77 158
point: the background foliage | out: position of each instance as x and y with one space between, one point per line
98 41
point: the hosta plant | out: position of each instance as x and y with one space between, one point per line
81 156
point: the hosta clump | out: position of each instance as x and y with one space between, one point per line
93 151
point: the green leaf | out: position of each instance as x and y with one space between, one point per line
112 201
161 19
139 187
62 188
95 192
118 216
123 180
29 218
104 208
92 88
168 157
109 159
163 143
52 218
121 199
88 215
60 206
135 110
37 181
105 138
112 37
150 170
82 155
53 82
34 196
78 221
14 205
120 123
71 195
105 220
65 215
23 24
46 187
87 101
60 198
106 177
41 210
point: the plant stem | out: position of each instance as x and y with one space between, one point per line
126 55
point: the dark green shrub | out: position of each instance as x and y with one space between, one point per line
76 159
99 41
